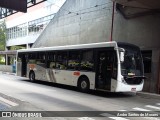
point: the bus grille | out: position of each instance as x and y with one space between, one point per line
133 81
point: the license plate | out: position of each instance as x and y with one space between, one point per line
133 89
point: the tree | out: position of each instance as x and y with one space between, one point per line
2 39
2 35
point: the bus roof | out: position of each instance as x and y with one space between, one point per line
70 47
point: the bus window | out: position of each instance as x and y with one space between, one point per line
31 55
61 62
40 59
87 63
74 60
32 58
51 60
41 55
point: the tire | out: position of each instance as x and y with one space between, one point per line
83 84
32 76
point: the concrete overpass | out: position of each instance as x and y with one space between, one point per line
136 8
11 7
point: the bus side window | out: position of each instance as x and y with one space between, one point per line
74 60
41 57
87 62
52 65
50 59
61 62
31 58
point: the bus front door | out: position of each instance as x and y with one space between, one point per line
103 70
24 66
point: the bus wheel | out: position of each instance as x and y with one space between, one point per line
32 76
83 84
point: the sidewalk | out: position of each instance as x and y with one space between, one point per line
9 73
150 95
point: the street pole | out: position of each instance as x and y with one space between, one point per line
112 24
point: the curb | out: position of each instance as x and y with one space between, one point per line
150 95
8 73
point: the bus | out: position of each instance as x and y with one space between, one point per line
107 66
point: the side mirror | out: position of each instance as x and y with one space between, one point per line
121 54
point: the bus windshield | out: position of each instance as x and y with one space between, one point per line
132 64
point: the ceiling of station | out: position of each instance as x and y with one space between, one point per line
137 8
20 5
128 8
9 7
149 4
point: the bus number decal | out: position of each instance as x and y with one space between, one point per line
31 66
76 73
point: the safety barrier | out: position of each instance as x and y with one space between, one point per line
6 68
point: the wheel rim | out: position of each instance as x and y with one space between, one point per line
83 84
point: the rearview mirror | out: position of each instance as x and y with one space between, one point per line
121 54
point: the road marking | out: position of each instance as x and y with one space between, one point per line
8 102
118 118
154 107
105 114
158 103
85 118
140 109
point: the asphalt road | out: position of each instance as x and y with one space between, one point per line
17 93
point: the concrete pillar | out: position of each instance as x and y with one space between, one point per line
159 76
27 46
30 45
6 59
155 71
8 48
9 59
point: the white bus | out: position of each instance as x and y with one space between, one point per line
107 66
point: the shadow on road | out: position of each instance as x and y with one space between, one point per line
92 92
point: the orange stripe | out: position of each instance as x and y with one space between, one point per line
76 73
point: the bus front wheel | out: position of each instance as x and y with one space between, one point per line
83 84
32 76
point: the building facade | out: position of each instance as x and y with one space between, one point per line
24 28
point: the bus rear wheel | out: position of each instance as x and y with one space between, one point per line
83 84
32 76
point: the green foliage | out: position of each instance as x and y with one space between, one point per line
2 40
2 63
2 35
17 47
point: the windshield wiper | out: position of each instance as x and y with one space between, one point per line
129 77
